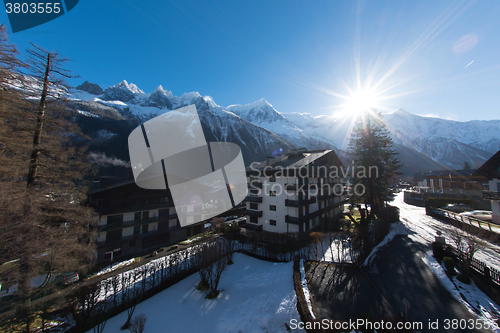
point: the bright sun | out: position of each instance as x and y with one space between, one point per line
360 101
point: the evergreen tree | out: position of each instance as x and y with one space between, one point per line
372 152
44 221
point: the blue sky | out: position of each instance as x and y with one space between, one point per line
428 57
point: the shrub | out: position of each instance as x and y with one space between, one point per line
449 264
437 251
389 214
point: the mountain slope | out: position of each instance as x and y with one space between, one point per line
424 143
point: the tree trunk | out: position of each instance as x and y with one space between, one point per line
35 152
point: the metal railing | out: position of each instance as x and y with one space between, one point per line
124 224
253 199
466 219
491 195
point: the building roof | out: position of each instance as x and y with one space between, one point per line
100 186
490 168
294 160
449 173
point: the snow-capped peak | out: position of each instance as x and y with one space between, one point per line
258 111
160 90
130 87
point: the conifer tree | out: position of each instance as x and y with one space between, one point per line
44 220
372 151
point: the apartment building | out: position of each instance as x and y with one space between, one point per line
294 192
491 170
132 220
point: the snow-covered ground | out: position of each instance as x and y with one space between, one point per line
257 296
336 248
423 229
305 288
470 295
113 267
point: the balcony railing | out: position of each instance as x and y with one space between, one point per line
255 213
253 199
297 203
491 195
292 219
124 224
255 184
250 226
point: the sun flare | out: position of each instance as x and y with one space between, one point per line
360 101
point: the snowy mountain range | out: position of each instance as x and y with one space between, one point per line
424 143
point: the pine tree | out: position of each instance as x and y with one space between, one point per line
372 151
44 221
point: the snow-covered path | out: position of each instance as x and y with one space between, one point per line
424 230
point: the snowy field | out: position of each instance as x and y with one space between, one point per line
257 296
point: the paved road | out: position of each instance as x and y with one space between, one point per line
399 273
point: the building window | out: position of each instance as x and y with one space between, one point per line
137 216
272 207
272 179
145 215
115 219
254 219
272 222
254 192
254 206
272 193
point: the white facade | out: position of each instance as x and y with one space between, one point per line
289 202
494 186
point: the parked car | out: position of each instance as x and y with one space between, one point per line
484 215
67 278
457 208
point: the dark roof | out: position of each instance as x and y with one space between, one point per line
447 173
291 161
490 168
101 187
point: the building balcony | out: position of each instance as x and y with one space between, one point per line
125 207
297 203
292 203
491 195
124 224
253 227
255 184
253 199
292 219
254 213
